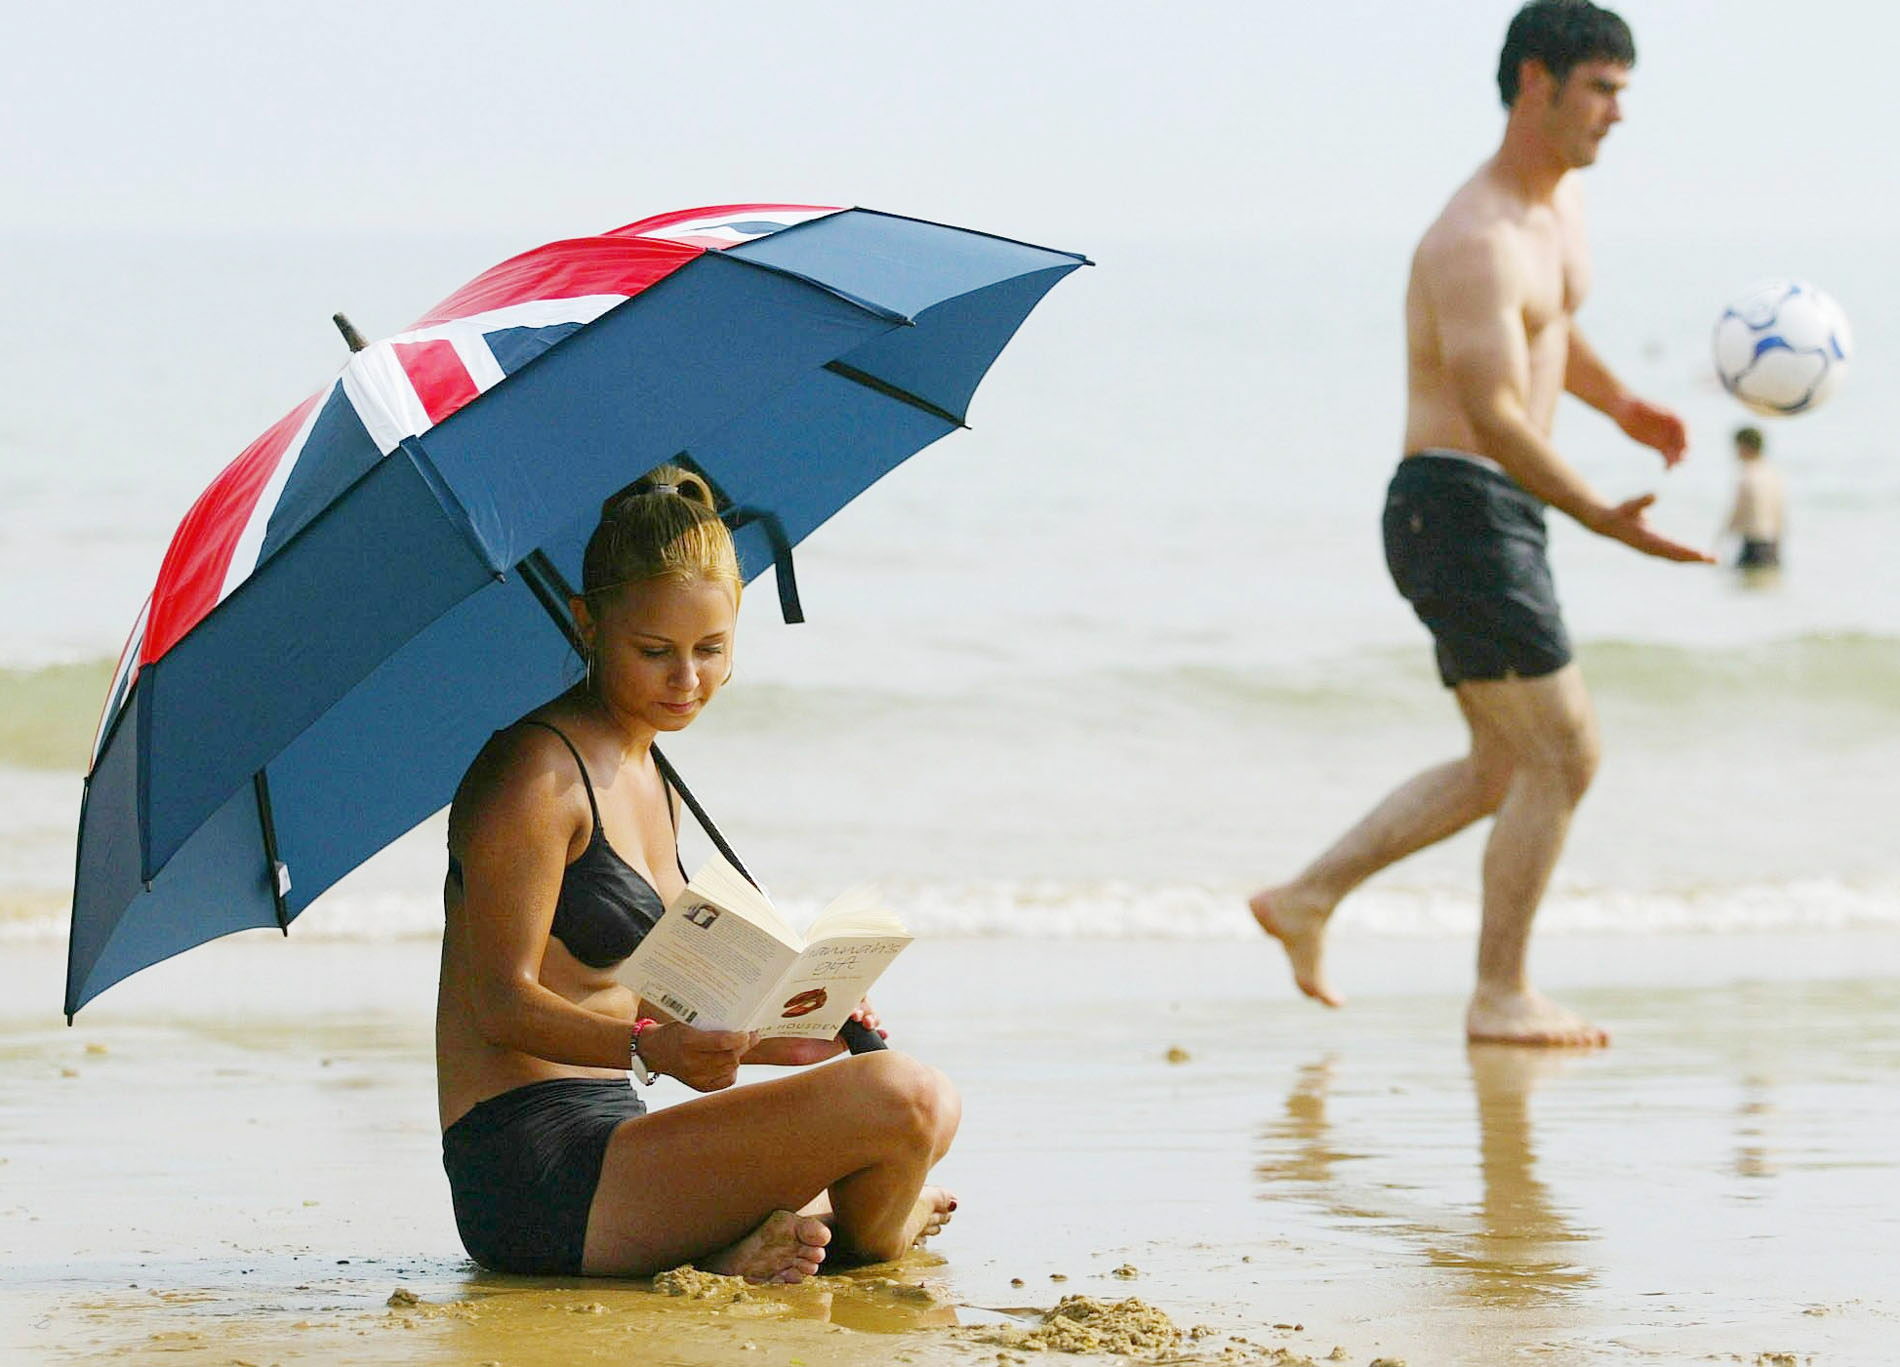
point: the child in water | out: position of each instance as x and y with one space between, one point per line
1759 517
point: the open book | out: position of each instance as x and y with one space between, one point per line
722 958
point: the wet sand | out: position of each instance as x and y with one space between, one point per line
233 1158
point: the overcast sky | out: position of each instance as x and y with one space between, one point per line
1070 123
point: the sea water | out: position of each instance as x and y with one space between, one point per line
1120 652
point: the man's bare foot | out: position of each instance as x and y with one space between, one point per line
929 1215
1301 931
786 1247
1524 1017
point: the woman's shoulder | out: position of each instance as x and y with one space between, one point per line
533 741
525 762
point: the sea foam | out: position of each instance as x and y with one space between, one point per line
1117 910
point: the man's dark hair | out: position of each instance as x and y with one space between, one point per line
1561 34
1749 439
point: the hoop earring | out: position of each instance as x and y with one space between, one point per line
587 679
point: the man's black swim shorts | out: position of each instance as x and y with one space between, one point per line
1466 547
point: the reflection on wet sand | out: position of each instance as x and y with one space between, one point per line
1298 1147
1525 1249
1514 1247
265 1309
528 1322
1752 1155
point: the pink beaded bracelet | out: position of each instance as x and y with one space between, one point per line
635 1063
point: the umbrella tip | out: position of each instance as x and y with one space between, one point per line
348 329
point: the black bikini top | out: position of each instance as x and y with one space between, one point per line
605 907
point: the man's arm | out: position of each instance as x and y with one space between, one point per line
1476 296
1587 377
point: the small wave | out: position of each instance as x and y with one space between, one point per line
1824 669
1858 672
1118 910
48 714
29 916
1852 668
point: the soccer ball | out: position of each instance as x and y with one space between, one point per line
1782 347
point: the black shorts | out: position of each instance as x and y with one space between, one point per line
523 1167
1466 547
1759 555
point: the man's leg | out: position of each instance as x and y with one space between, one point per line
1432 805
1548 728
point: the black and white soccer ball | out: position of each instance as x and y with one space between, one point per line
1782 347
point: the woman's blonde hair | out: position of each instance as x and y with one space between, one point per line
662 526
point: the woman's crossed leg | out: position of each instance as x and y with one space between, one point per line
721 1180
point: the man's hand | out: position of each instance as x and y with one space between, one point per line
1654 427
705 1060
1626 523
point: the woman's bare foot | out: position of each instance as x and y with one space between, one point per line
784 1248
1521 1016
1301 931
929 1215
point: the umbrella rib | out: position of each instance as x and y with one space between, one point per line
891 391
870 306
552 591
275 870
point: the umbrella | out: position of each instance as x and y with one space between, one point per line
380 580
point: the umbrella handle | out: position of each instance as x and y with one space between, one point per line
860 1038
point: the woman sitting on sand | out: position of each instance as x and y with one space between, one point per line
562 854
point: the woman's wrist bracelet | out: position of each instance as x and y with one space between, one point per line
635 1064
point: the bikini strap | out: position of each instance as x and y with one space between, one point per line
673 781
586 782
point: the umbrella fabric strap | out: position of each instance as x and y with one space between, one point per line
768 522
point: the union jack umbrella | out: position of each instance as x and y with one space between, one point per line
380 580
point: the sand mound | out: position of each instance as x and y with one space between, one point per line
1082 1324
695 1285
883 1288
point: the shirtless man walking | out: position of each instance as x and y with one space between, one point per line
1491 342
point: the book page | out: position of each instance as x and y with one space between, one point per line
823 985
723 958
718 881
708 963
855 911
